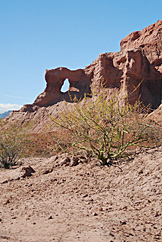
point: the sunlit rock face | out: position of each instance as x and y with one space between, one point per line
149 40
135 71
79 82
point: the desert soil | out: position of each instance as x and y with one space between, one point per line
87 202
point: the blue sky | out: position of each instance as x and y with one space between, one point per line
45 34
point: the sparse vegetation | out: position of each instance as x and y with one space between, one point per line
106 128
17 141
12 144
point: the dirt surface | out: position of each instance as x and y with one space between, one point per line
87 202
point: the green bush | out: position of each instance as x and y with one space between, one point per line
12 144
106 128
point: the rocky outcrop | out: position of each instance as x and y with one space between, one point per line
149 40
130 72
135 71
79 81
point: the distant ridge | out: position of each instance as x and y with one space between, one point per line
5 114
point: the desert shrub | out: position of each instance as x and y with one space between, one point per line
17 141
12 144
106 128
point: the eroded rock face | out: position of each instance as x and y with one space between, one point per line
79 84
149 40
79 81
135 71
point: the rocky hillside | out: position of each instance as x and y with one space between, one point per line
136 71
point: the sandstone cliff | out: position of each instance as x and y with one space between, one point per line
136 71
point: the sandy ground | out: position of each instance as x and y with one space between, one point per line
86 202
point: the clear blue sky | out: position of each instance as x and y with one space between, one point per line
45 34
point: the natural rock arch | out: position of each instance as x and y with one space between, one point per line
136 71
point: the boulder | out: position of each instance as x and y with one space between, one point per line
17 174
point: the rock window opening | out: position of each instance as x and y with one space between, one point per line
65 86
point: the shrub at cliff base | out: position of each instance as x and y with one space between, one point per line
12 144
17 141
106 128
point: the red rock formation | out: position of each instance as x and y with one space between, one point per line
136 70
149 40
79 84
79 80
